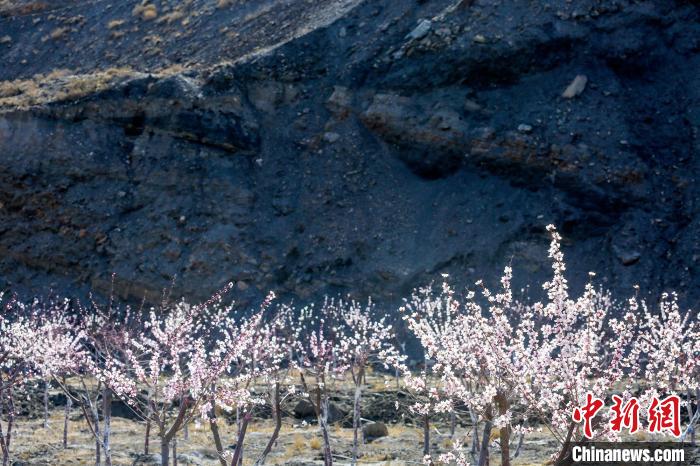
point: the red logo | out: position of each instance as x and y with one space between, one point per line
664 416
625 416
587 413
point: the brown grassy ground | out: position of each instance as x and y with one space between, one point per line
35 445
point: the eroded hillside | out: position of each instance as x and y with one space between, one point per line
346 146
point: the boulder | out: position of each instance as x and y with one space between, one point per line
374 431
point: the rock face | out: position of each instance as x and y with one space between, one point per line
358 147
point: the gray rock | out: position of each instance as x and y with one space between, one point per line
375 431
304 409
628 256
331 137
523 128
340 102
144 460
577 86
420 31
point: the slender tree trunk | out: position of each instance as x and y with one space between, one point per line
277 413
238 454
149 415
453 424
691 416
175 451
66 420
186 431
504 432
4 444
147 437
238 434
107 416
426 435
10 420
475 434
323 424
567 444
98 444
356 417
46 404
164 452
217 441
484 454
214 427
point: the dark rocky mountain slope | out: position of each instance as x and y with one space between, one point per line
347 146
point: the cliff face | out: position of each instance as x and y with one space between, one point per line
347 146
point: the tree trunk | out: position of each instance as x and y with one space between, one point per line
147 437
484 453
238 454
475 434
691 417
217 441
323 424
426 435
107 416
238 434
277 413
504 432
175 451
149 414
66 416
3 438
565 448
98 442
46 404
356 418
164 452
453 424
10 420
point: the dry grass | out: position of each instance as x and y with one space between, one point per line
58 33
57 86
171 17
145 11
315 443
61 85
115 23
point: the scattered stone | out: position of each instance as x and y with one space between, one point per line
339 102
375 431
479 39
420 31
303 409
241 285
190 459
577 86
523 128
331 137
472 106
628 257
5 40
266 96
143 460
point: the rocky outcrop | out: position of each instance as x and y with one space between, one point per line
356 147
